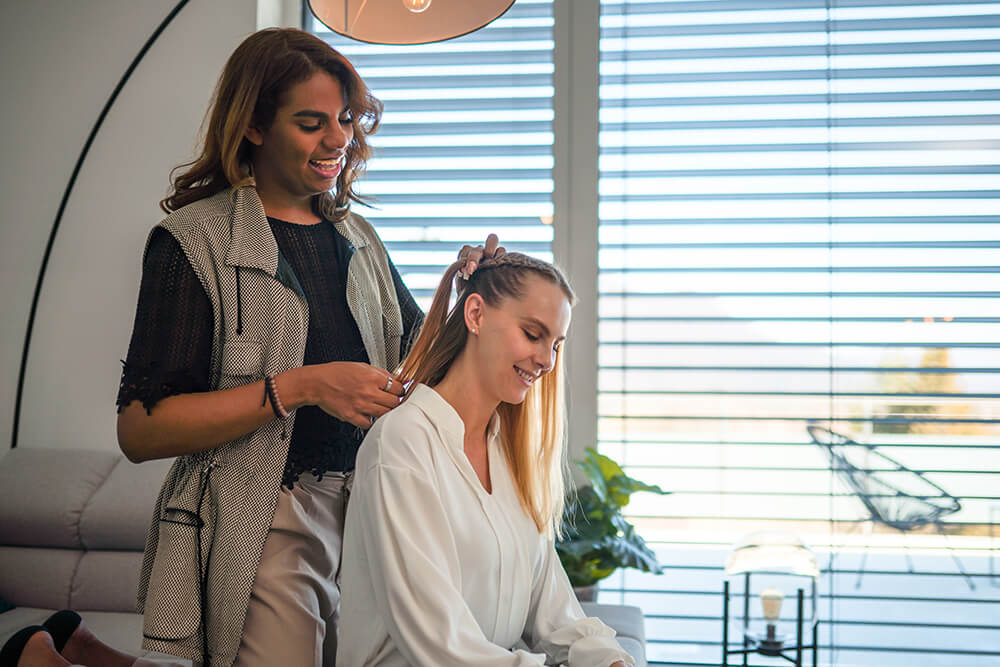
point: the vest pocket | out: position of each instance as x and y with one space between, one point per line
177 582
242 358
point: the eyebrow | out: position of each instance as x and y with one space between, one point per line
311 113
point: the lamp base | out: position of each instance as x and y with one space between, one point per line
770 645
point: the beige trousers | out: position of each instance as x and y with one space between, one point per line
292 617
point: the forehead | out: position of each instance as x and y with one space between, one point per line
321 92
544 301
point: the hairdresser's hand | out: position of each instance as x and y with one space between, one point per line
473 255
352 391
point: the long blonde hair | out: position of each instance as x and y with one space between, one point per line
532 432
249 92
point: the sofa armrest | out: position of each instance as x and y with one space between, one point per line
629 624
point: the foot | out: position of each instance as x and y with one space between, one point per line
39 651
61 625
84 648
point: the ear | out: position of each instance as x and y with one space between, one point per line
475 310
254 136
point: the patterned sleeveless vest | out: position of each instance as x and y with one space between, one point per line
215 507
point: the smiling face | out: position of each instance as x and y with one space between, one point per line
515 342
302 153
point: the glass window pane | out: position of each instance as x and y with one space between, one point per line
800 225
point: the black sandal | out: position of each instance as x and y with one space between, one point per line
61 625
10 654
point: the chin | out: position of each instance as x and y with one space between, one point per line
516 397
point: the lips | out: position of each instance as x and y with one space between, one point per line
526 377
327 167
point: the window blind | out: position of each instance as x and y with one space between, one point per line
799 225
465 146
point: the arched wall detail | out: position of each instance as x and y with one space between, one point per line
78 196
62 208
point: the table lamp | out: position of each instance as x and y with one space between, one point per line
778 554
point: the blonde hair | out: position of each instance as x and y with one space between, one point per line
250 90
532 432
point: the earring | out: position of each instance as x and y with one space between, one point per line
474 331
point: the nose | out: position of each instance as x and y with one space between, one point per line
545 358
336 138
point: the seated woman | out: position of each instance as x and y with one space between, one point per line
449 554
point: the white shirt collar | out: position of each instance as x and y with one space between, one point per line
444 416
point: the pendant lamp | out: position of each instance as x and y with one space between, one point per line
406 21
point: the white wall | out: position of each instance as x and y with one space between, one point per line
59 62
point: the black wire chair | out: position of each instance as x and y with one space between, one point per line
894 495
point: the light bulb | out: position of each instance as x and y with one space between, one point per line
417 6
770 600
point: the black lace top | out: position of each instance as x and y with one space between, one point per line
171 348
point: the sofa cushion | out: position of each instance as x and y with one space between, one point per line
118 514
73 526
43 493
68 578
37 577
107 581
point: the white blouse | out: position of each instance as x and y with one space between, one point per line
438 572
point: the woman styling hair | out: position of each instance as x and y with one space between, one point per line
448 554
267 317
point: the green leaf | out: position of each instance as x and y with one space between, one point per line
586 507
606 465
621 487
586 518
632 551
592 469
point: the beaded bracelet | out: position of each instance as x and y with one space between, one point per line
271 391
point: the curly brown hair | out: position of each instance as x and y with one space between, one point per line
251 89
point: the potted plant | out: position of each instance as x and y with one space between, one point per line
597 540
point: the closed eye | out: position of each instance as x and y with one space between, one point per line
319 126
530 336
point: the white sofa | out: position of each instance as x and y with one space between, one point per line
72 528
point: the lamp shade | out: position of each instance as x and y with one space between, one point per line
406 21
776 552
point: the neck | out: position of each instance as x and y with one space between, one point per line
464 390
290 211
281 204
